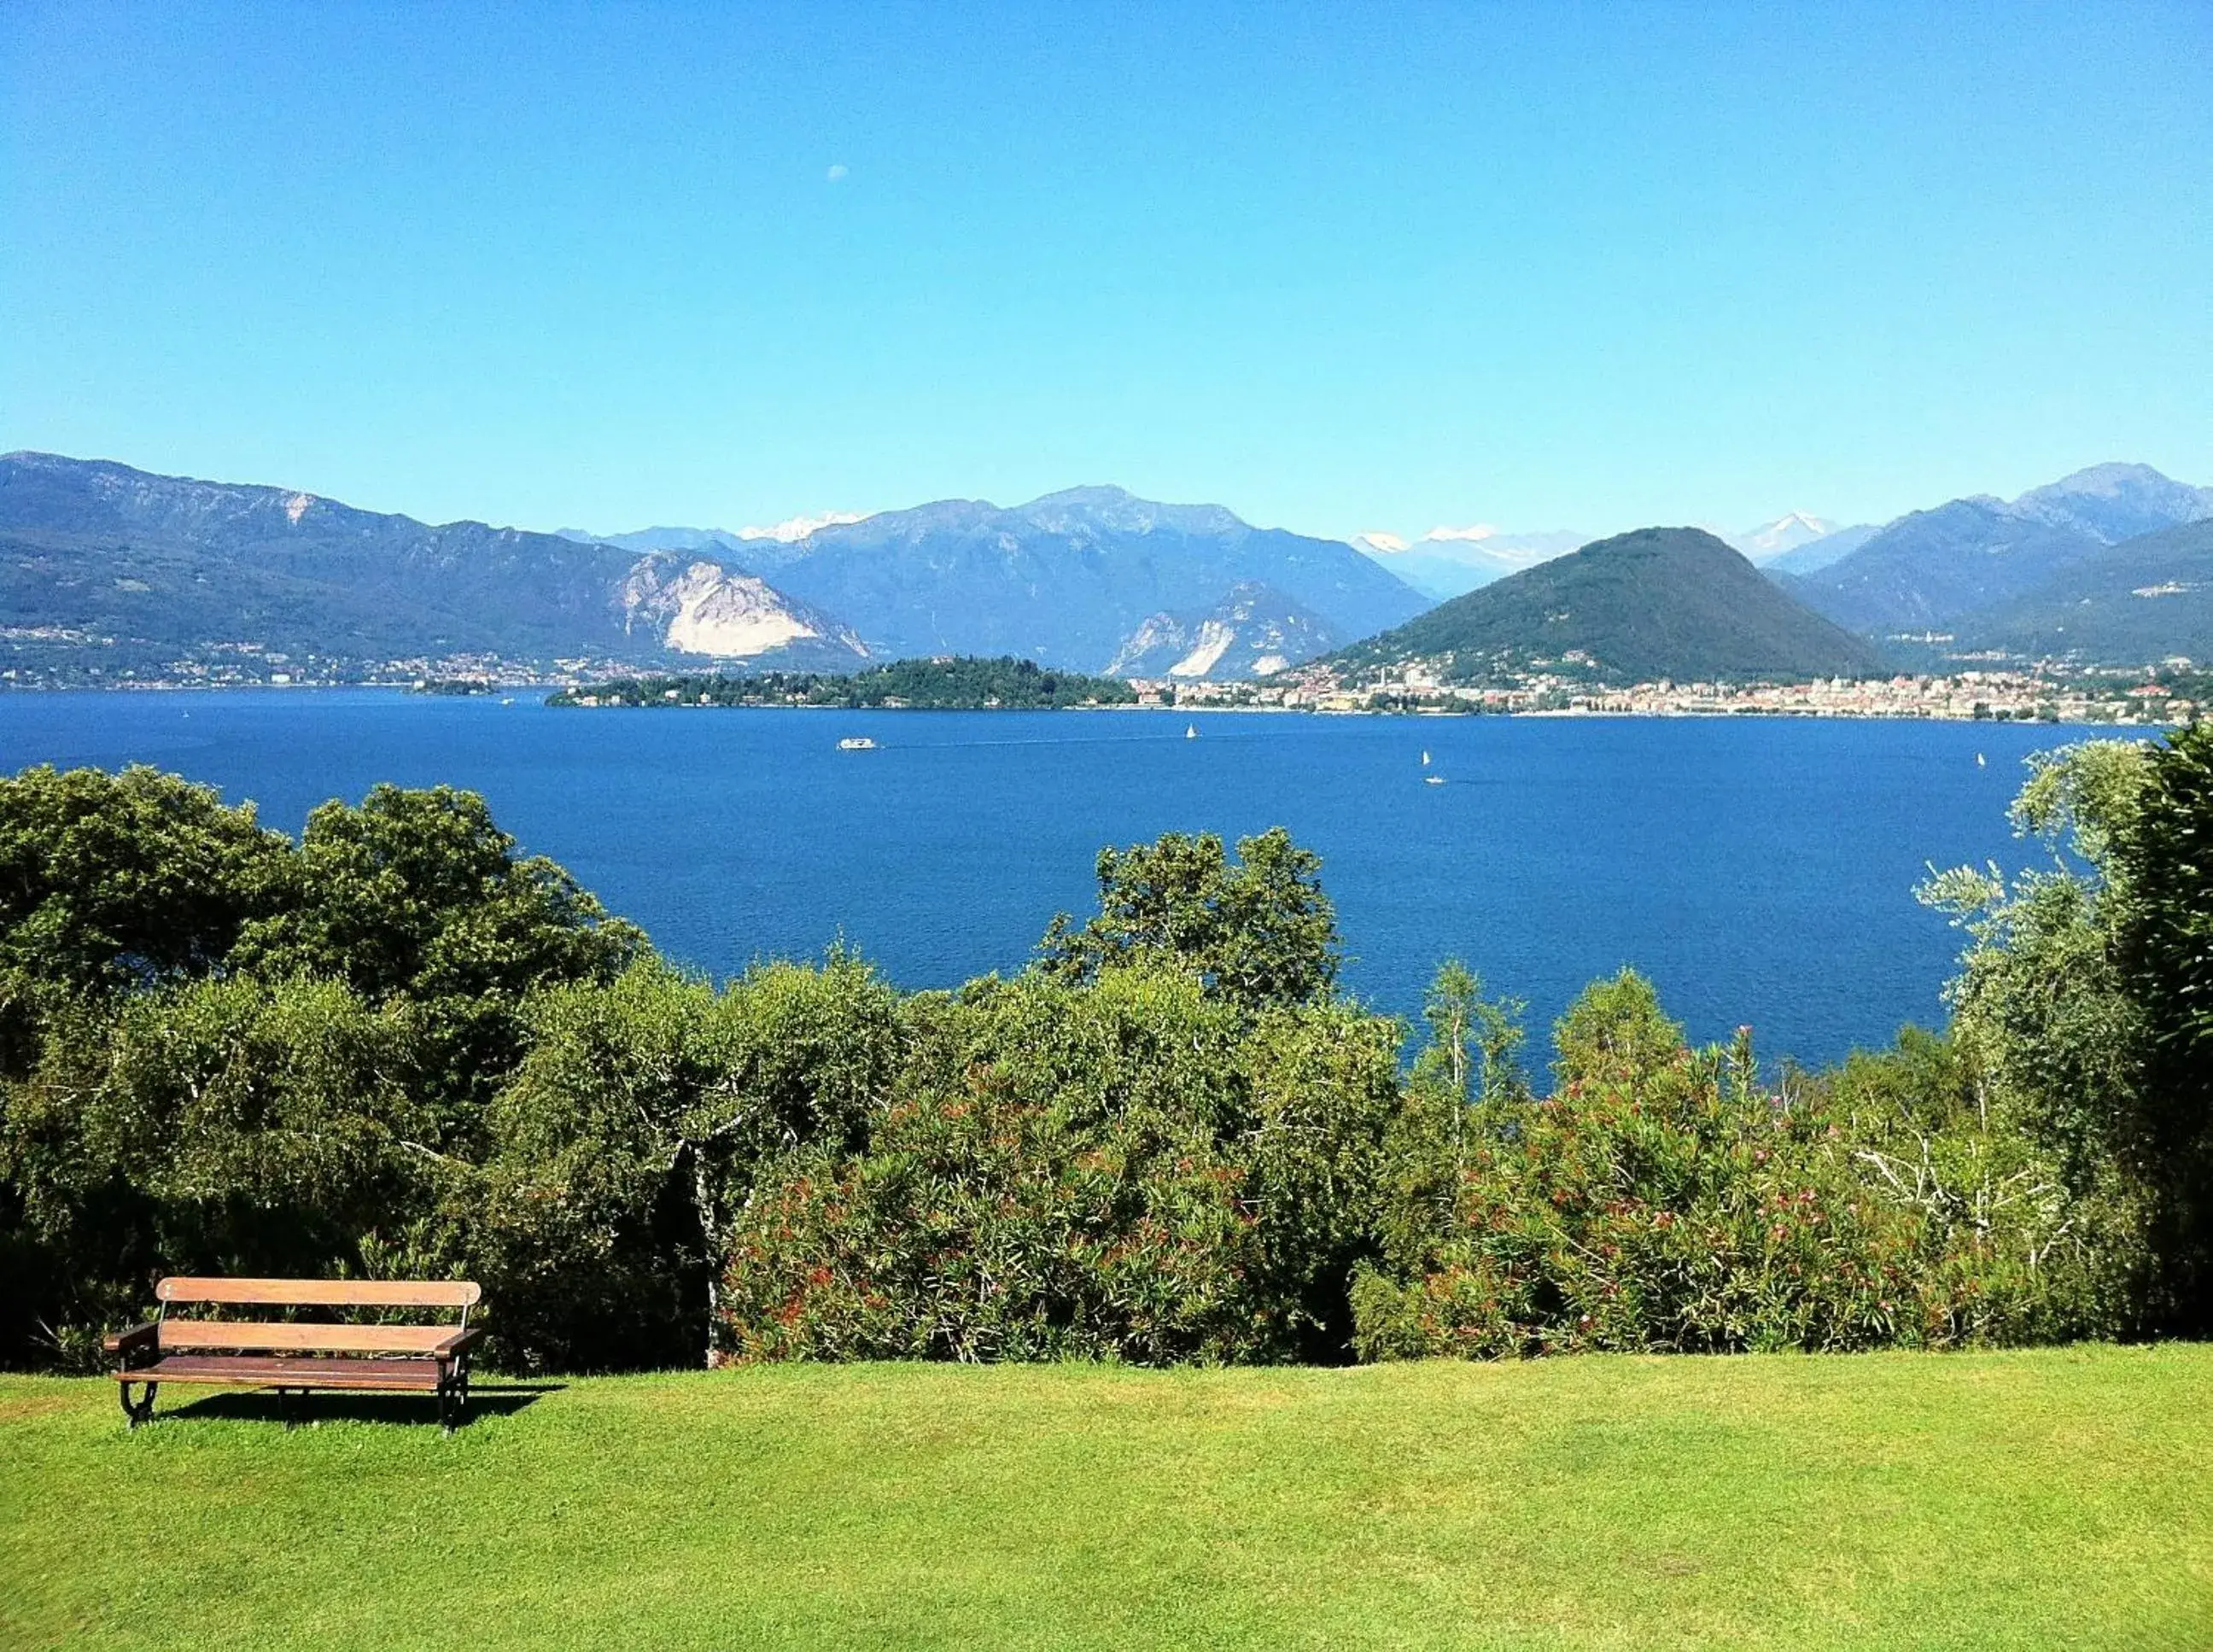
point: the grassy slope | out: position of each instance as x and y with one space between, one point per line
2028 1499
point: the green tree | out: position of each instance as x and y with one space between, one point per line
1124 1167
2163 947
419 898
1255 933
114 883
2052 1029
218 1126
1662 1199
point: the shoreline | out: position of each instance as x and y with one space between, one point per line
536 693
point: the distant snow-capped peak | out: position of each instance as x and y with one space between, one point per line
1482 542
795 528
1786 533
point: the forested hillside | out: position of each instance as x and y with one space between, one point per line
918 685
104 566
1663 602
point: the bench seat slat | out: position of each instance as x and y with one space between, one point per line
324 1293
247 1371
243 1335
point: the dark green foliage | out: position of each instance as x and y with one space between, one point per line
2061 1032
1126 1169
2164 950
110 883
937 685
1663 602
634 1130
231 1053
220 1126
1259 932
399 1049
418 897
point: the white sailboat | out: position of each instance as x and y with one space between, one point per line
1191 731
1430 779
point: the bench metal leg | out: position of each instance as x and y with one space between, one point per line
144 1410
453 1394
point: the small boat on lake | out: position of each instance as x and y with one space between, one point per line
857 743
1191 731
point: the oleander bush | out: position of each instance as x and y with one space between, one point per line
1662 1198
1129 1169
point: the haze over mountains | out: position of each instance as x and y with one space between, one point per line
1446 562
1956 568
113 572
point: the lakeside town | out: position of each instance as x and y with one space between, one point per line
2170 693
2004 695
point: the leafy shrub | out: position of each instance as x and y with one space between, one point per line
1128 1169
400 1049
223 1127
225 1052
1661 1200
638 1121
2163 946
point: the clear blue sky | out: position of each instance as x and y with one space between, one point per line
1337 268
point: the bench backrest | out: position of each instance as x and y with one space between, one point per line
325 1293
290 1336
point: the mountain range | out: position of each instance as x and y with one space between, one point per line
153 572
1958 568
1071 578
1449 562
1661 603
2145 600
152 569
108 571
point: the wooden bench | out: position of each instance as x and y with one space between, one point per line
295 1355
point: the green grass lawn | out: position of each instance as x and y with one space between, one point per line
2057 1498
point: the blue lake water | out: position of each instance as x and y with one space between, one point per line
1760 870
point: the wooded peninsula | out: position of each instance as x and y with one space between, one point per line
934 685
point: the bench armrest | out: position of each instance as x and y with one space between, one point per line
138 1337
459 1344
